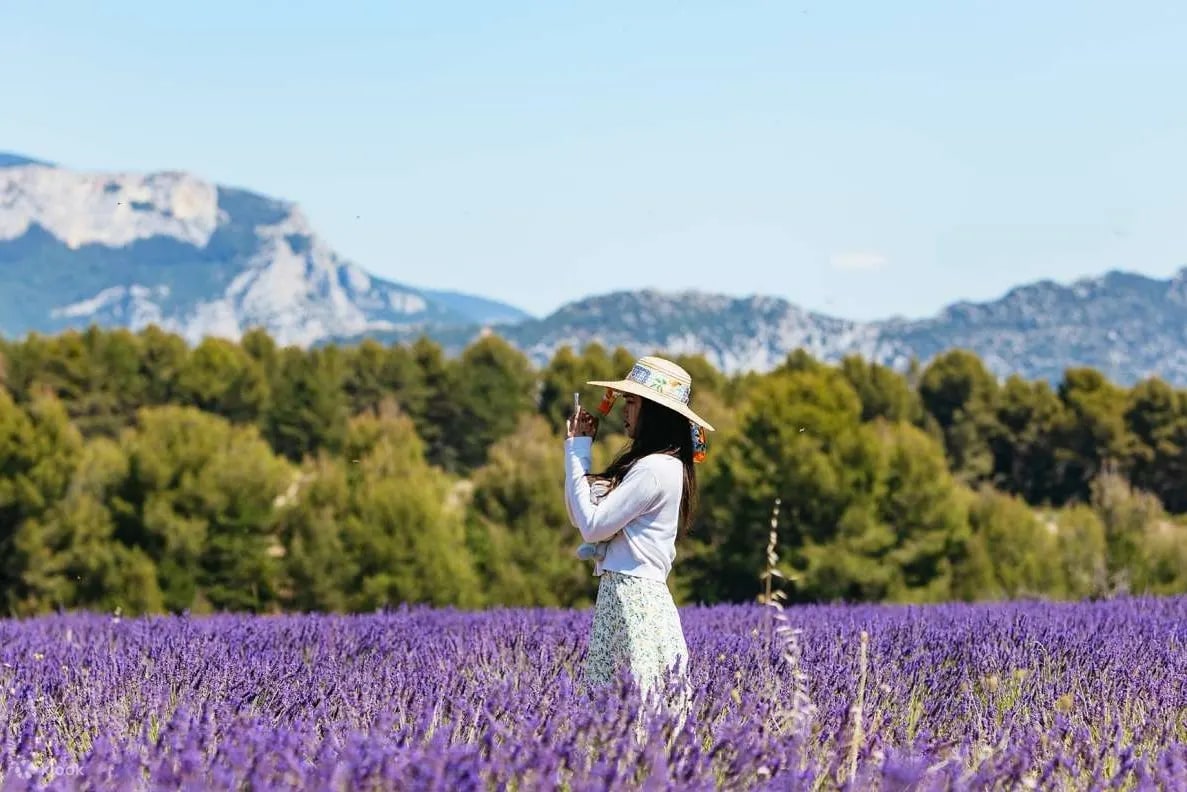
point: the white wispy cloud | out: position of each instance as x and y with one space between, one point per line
858 261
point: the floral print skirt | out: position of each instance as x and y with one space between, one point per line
636 626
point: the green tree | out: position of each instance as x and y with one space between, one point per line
319 572
921 502
899 536
375 374
884 393
960 394
308 411
72 557
1020 545
796 437
868 511
38 454
1028 419
493 386
1083 551
707 381
441 419
116 388
407 532
1155 418
221 378
799 360
385 527
163 357
1092 435
199 500
563 376
1165 559
262 348
519 530
1129 516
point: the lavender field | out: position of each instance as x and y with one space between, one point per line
1030 695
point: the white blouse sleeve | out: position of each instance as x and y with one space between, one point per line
636 494
578 460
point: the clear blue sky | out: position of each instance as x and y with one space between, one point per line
860 158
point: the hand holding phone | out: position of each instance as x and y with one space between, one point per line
581 423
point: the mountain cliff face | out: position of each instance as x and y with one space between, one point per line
193 257
167 248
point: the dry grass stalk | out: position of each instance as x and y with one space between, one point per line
802 710
771 571
858 705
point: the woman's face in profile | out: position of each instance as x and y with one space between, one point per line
630 414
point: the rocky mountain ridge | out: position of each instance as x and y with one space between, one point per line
132 249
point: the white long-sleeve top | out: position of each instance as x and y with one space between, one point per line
639 516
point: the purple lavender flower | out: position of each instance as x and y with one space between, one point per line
955 697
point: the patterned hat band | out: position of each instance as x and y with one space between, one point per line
661 383
658 380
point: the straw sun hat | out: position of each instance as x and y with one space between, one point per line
661 381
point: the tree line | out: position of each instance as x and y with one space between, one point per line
143 474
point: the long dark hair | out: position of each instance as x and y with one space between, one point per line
659 430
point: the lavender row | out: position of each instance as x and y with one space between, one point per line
953 697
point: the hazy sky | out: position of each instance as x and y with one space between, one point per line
860 158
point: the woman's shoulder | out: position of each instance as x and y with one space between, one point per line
661 464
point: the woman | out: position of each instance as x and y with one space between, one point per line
642 502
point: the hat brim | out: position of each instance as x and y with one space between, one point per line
629 386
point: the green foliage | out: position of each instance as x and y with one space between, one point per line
441 417
960 394
796 438
405 530
1020 546
567 373
376 374
140 474
198 499
1083 552
71 556
95 374
870 510
1092 435
883 392
163 358
318 573
380 529
1026 461
897 538
920 502
221 378
563 376
492 386
39 450
308 412
519 530
1140 541
1156 422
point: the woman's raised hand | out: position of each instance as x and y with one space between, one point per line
582 424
